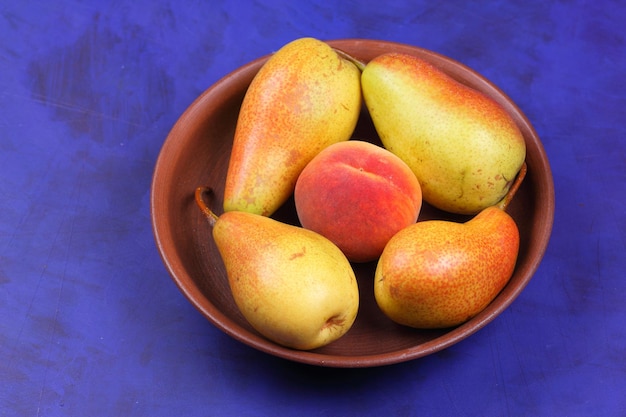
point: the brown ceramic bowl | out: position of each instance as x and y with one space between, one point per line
196 153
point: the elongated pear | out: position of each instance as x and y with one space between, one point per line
293 285
304 98
437 274
464 148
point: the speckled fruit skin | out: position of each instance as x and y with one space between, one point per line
292 285
438 274
304 98
358 195
464 148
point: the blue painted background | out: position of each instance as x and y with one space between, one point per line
90 322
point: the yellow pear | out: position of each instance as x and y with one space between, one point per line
437 274
293 285
303 99
464 148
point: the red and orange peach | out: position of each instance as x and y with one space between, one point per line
358 195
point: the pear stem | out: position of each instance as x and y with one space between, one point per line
504 203
359 64
200 193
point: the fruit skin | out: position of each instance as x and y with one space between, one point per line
464 148
438 274
304 98
292 285
358 195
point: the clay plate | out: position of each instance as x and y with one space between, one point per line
196 153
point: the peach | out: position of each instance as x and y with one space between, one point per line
358 195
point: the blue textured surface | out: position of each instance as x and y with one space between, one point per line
90 322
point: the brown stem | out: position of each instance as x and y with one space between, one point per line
200 193
359 64
504 203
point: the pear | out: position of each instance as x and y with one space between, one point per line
292 285
464 148
438 273
304 98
